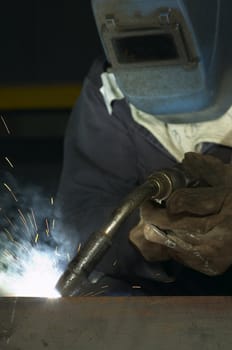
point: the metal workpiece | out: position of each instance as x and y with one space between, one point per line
102 323
158 186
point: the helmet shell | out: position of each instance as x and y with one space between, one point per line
171 58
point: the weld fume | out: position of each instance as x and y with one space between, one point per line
30 248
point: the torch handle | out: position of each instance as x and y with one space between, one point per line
158 186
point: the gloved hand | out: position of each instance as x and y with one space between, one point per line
195 227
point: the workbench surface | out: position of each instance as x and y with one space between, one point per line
123 323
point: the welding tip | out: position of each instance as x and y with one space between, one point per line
75 279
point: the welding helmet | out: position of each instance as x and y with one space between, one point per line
170 58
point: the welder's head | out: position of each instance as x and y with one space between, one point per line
171 58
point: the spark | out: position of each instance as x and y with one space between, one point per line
47 227
9 162
52 201
7 129
7 253
11 192
136 287
104 287
98 293
89 294
27 270
36 238
38 279
9 221
21 246
115 262
23 219
30 220
9 235
79 248
33 217
53 223
56 252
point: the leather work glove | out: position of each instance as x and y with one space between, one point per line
195 226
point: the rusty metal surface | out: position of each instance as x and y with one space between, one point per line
116 323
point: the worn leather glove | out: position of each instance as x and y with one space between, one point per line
195 226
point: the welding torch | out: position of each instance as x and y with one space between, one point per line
159 186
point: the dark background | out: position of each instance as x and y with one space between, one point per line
42 42
46 40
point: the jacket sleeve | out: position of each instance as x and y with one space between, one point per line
99 170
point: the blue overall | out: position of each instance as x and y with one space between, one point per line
105 158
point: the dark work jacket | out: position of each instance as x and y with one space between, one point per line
105 158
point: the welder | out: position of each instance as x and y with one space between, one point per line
160 95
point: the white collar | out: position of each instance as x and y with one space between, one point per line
176 138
